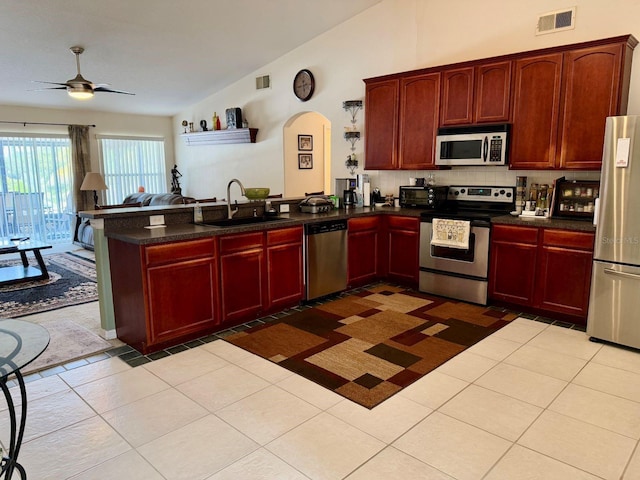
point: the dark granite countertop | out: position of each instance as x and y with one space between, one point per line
189 231
560 223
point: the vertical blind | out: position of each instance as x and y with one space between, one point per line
35 187
129 163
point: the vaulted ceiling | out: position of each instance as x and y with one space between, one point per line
170 53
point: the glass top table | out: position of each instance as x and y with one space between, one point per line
20 344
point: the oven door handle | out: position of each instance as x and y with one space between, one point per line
485 149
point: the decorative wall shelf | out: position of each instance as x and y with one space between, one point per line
221 137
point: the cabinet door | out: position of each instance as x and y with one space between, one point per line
564 271
457 96
284 268
403 242
513 264
182 299
381 125
493 92
536 100
419 107
242 277
591 80
363 238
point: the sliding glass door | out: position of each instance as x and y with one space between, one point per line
35 188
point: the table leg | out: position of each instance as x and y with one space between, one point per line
9 463
41 264
23 257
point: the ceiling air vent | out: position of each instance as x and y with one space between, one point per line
557 21
263 81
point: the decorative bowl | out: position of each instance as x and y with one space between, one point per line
256 193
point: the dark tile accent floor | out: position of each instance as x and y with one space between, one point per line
135 358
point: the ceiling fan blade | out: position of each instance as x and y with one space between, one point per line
43 89
110 90
50 83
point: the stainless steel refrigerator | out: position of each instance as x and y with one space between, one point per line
614 303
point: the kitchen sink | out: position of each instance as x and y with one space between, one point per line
234 222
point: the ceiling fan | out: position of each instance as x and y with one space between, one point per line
79 87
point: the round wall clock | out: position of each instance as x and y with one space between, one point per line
303 85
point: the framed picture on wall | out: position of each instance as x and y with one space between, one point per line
305 142
305 161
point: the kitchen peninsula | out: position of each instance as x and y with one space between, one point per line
169 284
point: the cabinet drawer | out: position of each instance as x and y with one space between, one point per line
241 241
362 224
178 251
403 223
566 238
284 235
514 234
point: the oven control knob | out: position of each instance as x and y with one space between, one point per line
456 192
496 194
462 191
508 194
501 192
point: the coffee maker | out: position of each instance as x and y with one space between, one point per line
350 198
343 184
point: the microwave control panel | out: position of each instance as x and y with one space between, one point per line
495 150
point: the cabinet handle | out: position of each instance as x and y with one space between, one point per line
610 271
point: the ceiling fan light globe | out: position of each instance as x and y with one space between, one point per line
80 93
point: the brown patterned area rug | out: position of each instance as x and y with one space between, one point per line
370 345
72 281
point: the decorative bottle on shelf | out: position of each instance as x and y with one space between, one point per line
215 121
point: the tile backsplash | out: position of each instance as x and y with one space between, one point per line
390 181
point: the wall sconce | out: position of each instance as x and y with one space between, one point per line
352 106
352 135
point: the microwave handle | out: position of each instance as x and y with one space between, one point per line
485 149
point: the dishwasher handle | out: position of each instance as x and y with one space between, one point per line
325 227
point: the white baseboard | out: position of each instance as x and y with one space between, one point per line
109 334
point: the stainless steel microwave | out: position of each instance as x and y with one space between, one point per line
473 145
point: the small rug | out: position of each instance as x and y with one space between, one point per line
370 345
72 282
69 342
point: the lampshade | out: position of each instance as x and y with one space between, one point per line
93 181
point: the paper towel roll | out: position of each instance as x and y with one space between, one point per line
366 194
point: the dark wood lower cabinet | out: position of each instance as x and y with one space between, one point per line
546 270
164 294
285 286
242 276
403 239
363 237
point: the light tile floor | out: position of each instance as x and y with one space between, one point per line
533 401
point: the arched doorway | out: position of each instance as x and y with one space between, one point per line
307 154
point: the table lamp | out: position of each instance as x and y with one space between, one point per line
94 181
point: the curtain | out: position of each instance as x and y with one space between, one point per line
81 164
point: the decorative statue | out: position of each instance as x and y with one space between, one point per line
175 183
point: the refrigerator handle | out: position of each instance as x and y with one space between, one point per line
621 274
596 211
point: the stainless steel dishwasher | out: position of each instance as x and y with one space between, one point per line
325 258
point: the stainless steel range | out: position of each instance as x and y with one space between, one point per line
455 261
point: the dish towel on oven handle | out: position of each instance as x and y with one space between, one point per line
451 233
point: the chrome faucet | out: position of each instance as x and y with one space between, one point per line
231 213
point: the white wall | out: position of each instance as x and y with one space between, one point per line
393 36
105 124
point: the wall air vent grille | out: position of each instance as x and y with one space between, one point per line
557 21
263 81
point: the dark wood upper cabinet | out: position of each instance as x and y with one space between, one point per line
419 107
478 94
592 88
457 96
556 98
493 92
381 125
536 100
